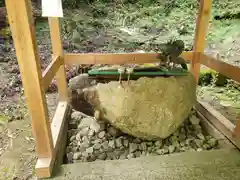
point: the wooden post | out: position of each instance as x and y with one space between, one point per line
200 35
23 33
57 49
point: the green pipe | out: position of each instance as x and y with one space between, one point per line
168 73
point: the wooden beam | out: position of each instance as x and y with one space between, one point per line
116 58
51 71
219 121
200 35
57 49
44 166
237 130
226 69
23 33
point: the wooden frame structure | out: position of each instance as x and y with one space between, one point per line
49 135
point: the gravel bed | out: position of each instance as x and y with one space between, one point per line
90 140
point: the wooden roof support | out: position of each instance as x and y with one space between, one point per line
57 49
23 33
200 35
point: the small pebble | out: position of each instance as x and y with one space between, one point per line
118 142
113 131
89 150
70 157
132 147
95 126
125 143
77 155
158 143
102 156
171 149
137 154
212 142
111 144
97 146
76 115
194 120
137 141
201 136
101 134
143 146
130 156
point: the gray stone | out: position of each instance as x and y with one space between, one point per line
113 131
199 149
118 152
167 101
102 156
162 151
150 143
101 134
111 155
79 82
70 157
143 146
97 146
89 150
130 156
118 142
85 154
78 137
91 158
76 115
213 142
137 141
159 143
77 155
73 138
83 132
201 136
125 143
91 133
137 154
171 149
199 142
95 126
133 147
194 120
85 123
111 144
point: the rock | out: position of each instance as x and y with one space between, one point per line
73 124
78 137
83 132
158 143
101 134
133 147
89 150
118 142
125 143
85 154
143 146
73 138
199 142
213 142
199 149
137 154
113 131
77 155
124 155
91 133
111 144
97 146
102 156
118 152
130 156
111 155
76 115
167 101
201 136
137 141
171 149
70 157
79 82
194 120
150 143
85 123
91 158
162 151
95 126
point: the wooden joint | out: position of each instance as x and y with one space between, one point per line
51 71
